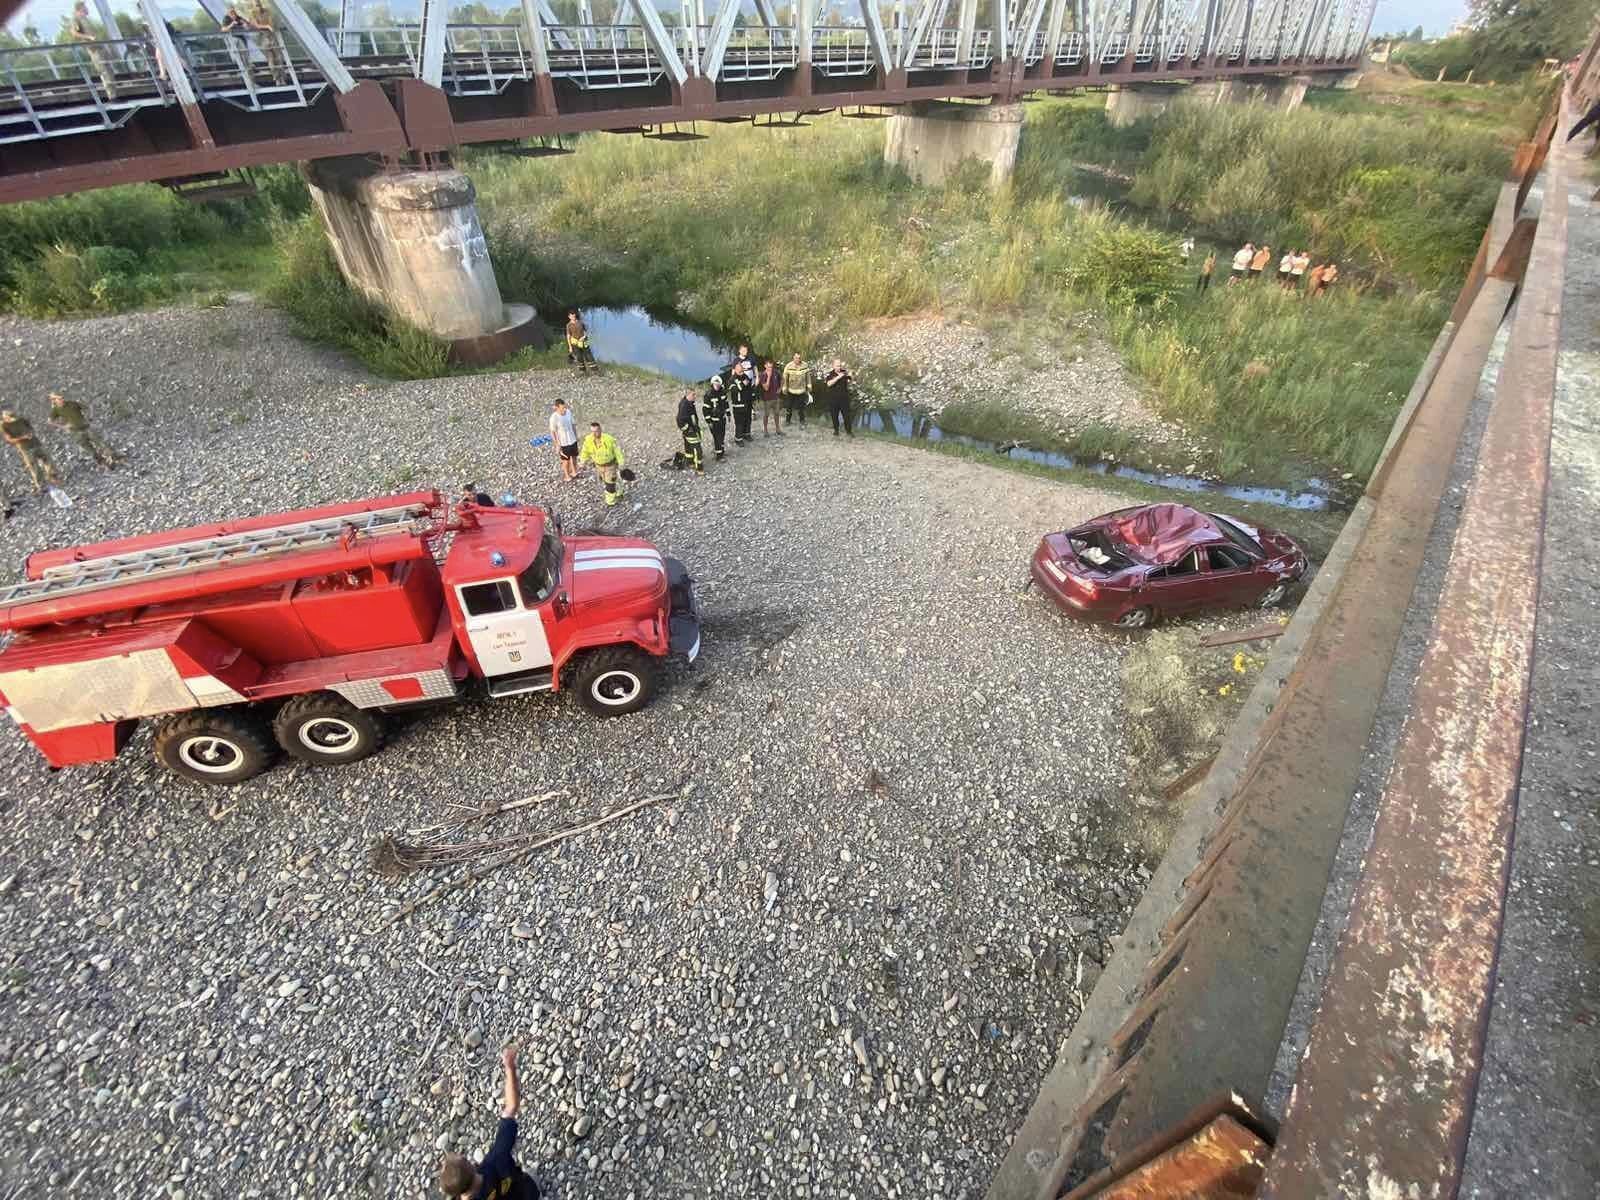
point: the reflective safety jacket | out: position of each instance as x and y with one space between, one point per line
714 406
688 419
796 379
743 392
602 452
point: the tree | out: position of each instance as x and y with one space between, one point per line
1416 35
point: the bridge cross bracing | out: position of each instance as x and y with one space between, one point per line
151 102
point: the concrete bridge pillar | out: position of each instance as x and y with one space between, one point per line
1137 102
936 136
411 242
1134 102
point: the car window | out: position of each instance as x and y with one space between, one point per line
1236 535
542 575
1225 558
1187 565
481 599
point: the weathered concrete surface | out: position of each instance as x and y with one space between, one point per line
1534 1130
411 242
936 137
1135 102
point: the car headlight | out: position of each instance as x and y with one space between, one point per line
1054 568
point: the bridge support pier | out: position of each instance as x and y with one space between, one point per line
411 242
1135 102
933 137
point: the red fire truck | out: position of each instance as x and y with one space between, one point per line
303 628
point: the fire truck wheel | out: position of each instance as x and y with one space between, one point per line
324 729
616 680
213 747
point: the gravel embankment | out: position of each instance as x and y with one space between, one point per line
936 363
198 996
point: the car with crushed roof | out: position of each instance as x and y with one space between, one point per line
1131 567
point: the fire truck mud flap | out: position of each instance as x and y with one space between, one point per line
683 631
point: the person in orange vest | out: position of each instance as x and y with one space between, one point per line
1258 263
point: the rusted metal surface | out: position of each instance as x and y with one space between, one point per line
1232 637
1223 1158
1189 777
1383 1100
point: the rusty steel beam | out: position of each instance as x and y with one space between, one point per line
1218 1155
1382 1104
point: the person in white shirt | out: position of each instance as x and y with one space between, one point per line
1186 248
1297 268
1285 265
1241 263
564 437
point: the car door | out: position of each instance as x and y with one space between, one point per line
506 637
1176 587
1230 577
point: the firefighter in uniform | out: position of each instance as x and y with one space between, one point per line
578 352
796 390
714 407
602 450
68 414
743 402
689 426
35 458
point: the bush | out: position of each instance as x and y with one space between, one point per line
66 281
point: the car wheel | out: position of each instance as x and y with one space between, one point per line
1135 618
213 747
1273 595
327 730
616 680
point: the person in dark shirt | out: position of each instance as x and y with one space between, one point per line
472 494
837 388
497 1177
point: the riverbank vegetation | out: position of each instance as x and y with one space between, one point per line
791 237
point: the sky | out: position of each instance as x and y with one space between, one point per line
1435 16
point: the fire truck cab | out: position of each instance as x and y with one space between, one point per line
298 631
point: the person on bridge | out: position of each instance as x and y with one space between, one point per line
497 1177
578 352
837 387
271 47
601 449
1206 268
796 390
35 459
714 407
1259 261
743 399
1241 263
80 30
771 404
68 415
689 426
564 437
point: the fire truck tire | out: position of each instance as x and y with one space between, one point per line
616 680
213 747
327 730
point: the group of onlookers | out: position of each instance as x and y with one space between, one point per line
1252 262
783 393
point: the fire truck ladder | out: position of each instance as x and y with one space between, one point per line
206 554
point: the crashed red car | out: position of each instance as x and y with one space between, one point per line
1133 565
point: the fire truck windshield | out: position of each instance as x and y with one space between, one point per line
542 575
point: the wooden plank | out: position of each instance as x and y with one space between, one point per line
1256 633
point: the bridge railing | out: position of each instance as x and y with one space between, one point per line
759 53
1114 49
1069 51
482 60
254 70
940 50
602 57
80 87
391 44
841 50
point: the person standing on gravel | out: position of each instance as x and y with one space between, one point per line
796 390
602 450
68 414
35 459
771 398
714 407
497 1177
564 437
837 385
742 397
688 421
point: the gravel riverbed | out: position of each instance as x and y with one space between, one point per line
834 962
